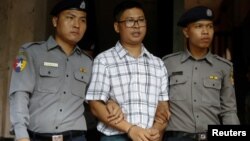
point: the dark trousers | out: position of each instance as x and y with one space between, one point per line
166 138
184 136
121 137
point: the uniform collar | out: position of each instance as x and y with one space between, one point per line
123 52
186 55
52 44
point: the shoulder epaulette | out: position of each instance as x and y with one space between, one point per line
27 45
224 60
171 55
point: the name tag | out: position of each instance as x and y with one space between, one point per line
50 64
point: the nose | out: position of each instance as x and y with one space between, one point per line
205 30
76 23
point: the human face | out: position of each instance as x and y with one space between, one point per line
199 34
70 26
131 35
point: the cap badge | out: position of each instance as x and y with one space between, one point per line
82 6
209 13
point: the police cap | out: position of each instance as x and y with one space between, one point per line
68 4
195 14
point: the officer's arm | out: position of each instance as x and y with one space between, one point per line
21 86
228 100
162 117
99 109
19 114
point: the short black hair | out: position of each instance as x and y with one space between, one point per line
124 5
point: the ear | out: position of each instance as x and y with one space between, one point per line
116 27
54 21
185 32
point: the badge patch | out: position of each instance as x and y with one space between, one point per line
20 62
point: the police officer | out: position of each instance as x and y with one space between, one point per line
201 84
49 80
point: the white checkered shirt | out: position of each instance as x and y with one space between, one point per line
137 84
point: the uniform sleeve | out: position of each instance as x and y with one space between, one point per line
228 100
99 87
21 86
164 84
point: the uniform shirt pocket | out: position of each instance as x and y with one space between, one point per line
178 87
211 93
79 84
49 79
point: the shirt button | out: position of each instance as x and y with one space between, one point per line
49 72
67 75
194 83
56 127
195 100
195 68
64 92
197 116
60 110
67 59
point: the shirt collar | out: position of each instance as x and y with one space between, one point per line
186 55
52 44
121 51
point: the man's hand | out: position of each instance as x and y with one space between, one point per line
115 112
137 133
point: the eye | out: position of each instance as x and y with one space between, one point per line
198 26
69 17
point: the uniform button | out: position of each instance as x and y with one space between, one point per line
82 77
56 127
67 75
195 83
213 84
67 59
195 68
49 72
195 100
60 110
64 92
176 80
197 116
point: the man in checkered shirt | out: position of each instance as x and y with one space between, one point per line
132 77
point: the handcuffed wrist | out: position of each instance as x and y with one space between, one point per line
130 128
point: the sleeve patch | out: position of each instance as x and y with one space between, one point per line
20 61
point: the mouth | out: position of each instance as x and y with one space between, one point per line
206 40
136 34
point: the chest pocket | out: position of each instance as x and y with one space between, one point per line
49 80
212 90
178 87
79 83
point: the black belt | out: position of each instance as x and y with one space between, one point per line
48 136
195 136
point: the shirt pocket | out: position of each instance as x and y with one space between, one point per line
178 87
211 93
79 84
49 80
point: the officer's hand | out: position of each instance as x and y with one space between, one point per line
24 139
154 134
115 112
162 113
